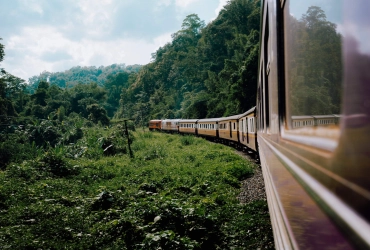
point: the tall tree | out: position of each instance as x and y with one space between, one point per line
314 64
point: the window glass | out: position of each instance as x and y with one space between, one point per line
313 63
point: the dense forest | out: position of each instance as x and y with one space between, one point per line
76 175
314 64
206 71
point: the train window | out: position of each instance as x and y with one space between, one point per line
313 64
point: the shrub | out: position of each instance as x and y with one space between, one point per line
187 140
56 164
240 170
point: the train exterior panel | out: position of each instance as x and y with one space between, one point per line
247 129
188 126
170 125
228 128
208 127
155 125
313 159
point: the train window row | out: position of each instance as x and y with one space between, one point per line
251 125
225 125
325 122
206 126
186 125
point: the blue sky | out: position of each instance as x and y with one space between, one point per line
55 35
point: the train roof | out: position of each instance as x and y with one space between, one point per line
233 117
171 120
324 116
188 120
209 120
296 117
248 112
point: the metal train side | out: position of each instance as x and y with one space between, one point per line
315 164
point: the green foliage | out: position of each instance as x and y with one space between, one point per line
314 64
97 114
82 75
206 71
11 92
179 199
2 53
187 140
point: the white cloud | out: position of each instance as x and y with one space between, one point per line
164 2
221 4
56 35
32 5
161 40
185 3
49 42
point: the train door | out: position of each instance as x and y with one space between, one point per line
241 130
248 120
230 129
265 70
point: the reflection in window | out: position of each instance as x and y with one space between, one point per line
313 64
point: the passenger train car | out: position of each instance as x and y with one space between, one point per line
311 123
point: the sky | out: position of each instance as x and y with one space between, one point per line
55 35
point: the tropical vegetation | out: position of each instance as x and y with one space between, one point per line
75 174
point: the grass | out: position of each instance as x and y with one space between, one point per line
179 192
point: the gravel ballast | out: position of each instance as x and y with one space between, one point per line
253 188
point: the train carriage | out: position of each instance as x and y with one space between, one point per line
228 128
315 164
188 126
247 131
155 124
208 127
170 125
321 120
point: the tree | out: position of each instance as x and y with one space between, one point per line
11 91
314 64
97 114
2 53
114 85
205 71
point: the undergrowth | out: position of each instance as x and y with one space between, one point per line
179 192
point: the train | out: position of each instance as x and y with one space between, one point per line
311 123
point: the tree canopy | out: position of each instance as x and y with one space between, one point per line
206 71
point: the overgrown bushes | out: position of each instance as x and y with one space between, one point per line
170 196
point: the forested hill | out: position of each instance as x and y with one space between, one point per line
206 71
78 74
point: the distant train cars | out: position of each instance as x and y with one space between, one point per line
155 125
239 130
170 125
